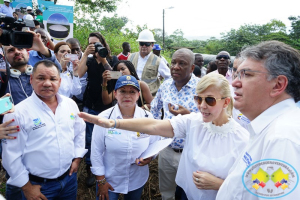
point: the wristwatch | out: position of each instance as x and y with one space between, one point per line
104 88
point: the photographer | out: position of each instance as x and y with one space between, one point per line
93 104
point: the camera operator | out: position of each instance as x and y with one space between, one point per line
19 81
43 52
94 66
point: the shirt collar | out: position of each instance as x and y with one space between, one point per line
265 118
146 57
42 103
118 114
191 82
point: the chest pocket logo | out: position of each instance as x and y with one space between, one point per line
113 132
141 135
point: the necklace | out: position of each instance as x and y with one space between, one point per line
127 115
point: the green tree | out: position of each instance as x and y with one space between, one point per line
114 23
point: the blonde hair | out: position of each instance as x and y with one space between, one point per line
220 82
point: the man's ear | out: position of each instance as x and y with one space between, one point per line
192 68
280 84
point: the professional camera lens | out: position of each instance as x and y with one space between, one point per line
100 49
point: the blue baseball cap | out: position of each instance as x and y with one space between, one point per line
156 47
127 80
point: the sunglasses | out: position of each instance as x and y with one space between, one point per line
222 56
211 101
147 44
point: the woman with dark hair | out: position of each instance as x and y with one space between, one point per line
127 68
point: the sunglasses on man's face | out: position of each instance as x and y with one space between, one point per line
147 44
219 57
211 101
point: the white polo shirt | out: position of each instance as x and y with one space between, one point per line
46 142
114 151
207 148
274 134
163 69
69 85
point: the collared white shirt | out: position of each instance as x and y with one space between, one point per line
236 114
208 148
168 93
69 85
8 11
163 69
46 142
274 134
114 151
228 75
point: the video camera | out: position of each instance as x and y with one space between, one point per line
12 32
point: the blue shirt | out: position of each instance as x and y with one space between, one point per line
19 88
34 57
8 11
168 93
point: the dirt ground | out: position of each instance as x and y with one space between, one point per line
151 190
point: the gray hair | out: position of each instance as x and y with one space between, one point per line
278 59
188 52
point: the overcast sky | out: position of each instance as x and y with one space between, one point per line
205 18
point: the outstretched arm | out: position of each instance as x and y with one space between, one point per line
144 125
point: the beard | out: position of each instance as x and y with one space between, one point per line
18 64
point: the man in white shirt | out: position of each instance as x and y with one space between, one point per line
45 157
267 85
149 66
6 9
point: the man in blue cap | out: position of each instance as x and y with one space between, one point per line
156 50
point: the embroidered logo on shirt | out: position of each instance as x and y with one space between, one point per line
72 116
270 178
37 124
243 118
142 135
114 132
247 159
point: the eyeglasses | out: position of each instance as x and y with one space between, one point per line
242 73
29 10
211 101
147 44
219 57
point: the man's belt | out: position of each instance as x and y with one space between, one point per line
40 179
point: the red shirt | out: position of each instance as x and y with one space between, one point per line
121 56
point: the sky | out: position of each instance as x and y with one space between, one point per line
204 19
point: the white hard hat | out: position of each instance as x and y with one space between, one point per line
7 1
146 36
29 17
28 8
